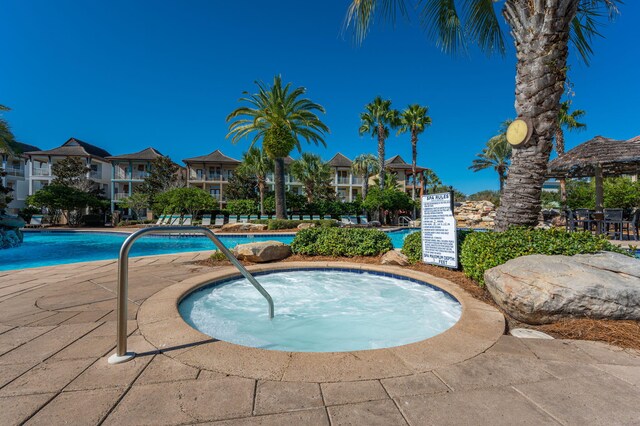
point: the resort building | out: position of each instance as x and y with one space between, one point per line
404 174
39 164
128 172
211 172
14 164
290 183
346 184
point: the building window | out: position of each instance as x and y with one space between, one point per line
343 177
215 193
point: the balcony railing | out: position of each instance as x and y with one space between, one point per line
94 174
357 180
140 175
41 172
343 180
120 196
14 171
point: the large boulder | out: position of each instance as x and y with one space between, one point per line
542 289
239 226
264 251
394 257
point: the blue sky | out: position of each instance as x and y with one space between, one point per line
125 75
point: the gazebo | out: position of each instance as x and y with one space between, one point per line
598 158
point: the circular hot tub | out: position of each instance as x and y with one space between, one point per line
322 310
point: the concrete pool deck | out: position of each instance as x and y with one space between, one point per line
57 327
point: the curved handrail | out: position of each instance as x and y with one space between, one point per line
121 354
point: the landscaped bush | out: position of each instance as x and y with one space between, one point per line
341 242
485 250
412 246
242 207
275 224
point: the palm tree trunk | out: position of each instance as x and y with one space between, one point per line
281 208
261 190
541 38
381 154
414 157
365 186
560 152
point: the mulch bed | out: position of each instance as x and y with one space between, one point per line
624 334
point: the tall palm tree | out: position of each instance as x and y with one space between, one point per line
377 120
365 165
569 121
280 117
6 136
542 31
414 119
256 162
312 172
496 154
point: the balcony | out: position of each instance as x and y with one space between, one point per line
357 180
118 196
93 174
40 172
140 175
343 180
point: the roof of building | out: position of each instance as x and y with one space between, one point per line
288 160
615 157
215 157
145 154
18 148
74 148
340 160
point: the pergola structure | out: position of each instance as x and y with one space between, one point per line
598 158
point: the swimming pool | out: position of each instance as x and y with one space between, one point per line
59 247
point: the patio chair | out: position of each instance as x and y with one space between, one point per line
306 217
175 220
327 217
315 217
253 217
345 220
35 222
187 220
353 220
363 220
632 226
206 220
244 218
583 219
233 218
219 220
158 222
570 221
613 218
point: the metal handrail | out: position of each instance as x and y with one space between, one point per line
121 354
404 220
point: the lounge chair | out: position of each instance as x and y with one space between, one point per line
233 218
166 220
206 220
306 217
187 220
35 222
345 220
244 218
363 220
327 217
315 217
219 220
353 220
175 219
158 222
252 217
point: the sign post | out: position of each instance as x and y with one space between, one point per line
439 236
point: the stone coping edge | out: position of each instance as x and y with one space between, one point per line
159 321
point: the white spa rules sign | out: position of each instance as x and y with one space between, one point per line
439 238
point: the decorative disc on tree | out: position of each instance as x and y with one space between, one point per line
519 131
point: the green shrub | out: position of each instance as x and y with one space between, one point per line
412 245
275 224
242 207
347 242
218 256
485 250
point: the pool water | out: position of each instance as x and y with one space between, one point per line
56 248
322 311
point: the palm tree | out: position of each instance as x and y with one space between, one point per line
390 180
256 162
496 154
377 120
6 136
365 165
542 31
312 172
567 120
414 119
280 117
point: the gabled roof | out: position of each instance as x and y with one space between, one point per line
396 159
288 160
18 148
215 157
146 154
340 160
397 163
74 148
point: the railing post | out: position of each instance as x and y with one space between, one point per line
121 354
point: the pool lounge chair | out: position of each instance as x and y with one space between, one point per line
174 220
306 217
345 220
252 217
244 218
187 220
363 220
327 217
158 222
35 222
315 217
219 220
206 220
353 220
233 218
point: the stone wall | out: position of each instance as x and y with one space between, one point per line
475 214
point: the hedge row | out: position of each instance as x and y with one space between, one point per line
347 242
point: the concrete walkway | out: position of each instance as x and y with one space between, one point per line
57 328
